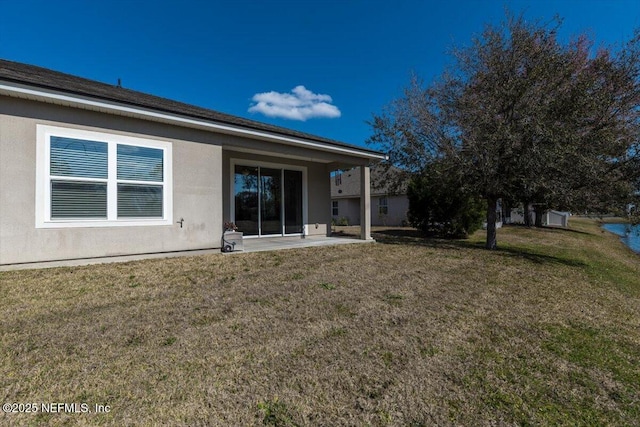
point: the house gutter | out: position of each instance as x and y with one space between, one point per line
22 91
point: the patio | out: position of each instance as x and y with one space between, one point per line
279 243
250 245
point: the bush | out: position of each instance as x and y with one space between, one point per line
343 221
440 207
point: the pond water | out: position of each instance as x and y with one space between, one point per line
630 235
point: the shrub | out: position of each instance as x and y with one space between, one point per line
440 207
343 221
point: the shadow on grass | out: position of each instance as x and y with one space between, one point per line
547 228
416 238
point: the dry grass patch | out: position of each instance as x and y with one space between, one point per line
408 331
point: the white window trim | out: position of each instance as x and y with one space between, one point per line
232 205
43 179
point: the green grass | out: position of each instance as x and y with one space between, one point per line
408 331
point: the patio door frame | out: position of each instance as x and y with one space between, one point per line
268 165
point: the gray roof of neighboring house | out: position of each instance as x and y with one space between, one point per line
44 78
350 183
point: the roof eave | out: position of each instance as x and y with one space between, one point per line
118 108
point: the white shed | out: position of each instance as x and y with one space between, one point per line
556 218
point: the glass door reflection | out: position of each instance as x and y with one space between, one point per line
270 201
246 199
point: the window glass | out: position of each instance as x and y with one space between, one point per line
140 163
382 206
246 199
71 199
139 201
78 158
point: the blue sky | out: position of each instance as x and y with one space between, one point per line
326 66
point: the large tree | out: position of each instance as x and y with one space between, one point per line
524 117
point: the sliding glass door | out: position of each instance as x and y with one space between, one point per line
246 199
268 201
292 202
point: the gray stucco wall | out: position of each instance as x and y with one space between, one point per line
197 189
318 188
397 207
349 209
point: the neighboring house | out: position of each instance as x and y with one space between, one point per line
89 169
551 218
387 208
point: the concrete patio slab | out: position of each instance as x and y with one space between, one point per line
279 243
250 245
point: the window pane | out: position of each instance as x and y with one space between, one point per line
246 199
270 201
140 163
78 158
139 201
78 200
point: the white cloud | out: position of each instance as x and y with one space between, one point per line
299 104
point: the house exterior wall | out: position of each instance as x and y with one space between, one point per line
197 189
397 207
318 190
349 210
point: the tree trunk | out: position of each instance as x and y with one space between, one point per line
539 212
527 214
492 240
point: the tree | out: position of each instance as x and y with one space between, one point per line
524 117
440 207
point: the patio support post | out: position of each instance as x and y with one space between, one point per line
365 203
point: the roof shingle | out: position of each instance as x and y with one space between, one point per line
44 78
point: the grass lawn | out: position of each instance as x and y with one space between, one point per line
544 331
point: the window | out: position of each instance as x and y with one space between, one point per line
78 172
338 178
140 181
89 179
334 208
383 206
